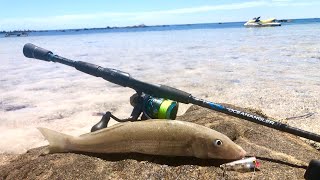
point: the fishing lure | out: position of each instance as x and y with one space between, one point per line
242 165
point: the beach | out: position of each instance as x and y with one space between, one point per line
275 70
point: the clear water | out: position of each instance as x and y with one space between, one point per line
272 69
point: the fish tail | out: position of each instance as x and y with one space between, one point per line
58 142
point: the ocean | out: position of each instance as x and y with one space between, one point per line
272 69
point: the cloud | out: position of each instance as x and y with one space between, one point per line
292 3
281 0
232 6
79 20
200 9
74 20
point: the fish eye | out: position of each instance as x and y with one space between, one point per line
217 142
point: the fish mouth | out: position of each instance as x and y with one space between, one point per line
239 154
242 154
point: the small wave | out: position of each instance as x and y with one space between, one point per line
7 107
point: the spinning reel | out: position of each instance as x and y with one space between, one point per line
150 107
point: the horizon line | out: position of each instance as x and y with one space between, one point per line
139 26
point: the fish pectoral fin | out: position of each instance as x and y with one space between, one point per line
58 142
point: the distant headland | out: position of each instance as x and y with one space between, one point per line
81 29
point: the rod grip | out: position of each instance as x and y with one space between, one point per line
111 75
33 51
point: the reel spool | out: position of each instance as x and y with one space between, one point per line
159 108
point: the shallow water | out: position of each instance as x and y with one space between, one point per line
275 70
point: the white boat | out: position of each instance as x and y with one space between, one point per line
256 22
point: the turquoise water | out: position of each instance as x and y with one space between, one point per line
273 69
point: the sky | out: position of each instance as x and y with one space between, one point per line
70 14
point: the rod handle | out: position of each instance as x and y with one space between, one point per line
33 51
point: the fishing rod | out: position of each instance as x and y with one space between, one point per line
155 96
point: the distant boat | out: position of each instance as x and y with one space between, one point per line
256 22
16 34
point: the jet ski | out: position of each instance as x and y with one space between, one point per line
256 22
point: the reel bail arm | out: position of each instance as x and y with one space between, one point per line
135 100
